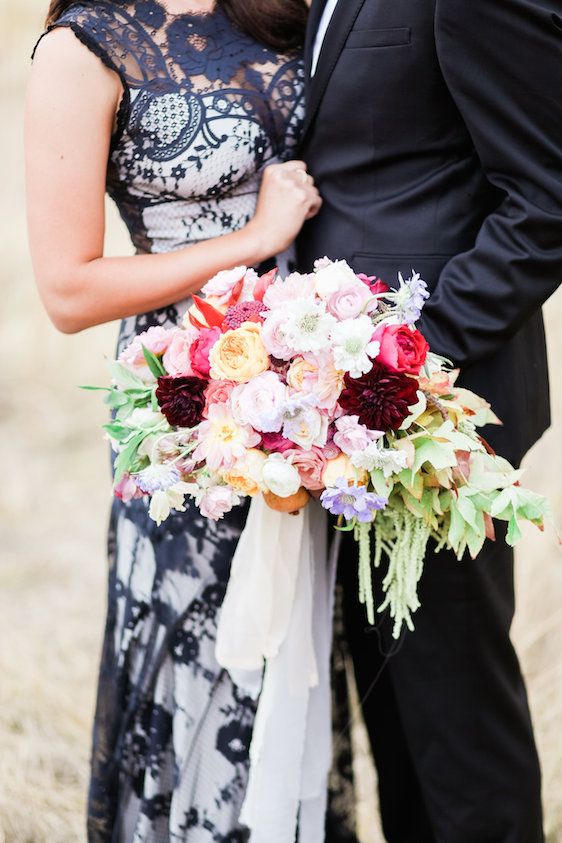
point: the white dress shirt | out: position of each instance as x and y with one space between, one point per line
321 34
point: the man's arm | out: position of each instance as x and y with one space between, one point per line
502 62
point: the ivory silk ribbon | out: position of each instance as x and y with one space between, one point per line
274 638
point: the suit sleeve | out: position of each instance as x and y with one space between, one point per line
502 62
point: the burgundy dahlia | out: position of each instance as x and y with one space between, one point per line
246 311
381 398
182 400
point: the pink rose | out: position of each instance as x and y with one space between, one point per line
375 284
257 402
310 466
402 348
350 436
217 501
351 301
155 339
218 392
176 358
200 350
276 442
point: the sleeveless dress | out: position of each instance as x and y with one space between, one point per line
204 109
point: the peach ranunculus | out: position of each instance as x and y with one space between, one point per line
310 465
217 392
343 467
239 355
317 374
298 371
246 476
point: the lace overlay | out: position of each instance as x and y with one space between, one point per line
204 109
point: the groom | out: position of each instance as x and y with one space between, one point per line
434 133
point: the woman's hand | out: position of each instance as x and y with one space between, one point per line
288 197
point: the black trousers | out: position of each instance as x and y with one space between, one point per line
447 717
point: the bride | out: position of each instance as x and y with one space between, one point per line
187 112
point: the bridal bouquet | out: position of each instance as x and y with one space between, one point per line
315 384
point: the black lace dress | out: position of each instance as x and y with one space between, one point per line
204 109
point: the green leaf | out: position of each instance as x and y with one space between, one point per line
124 378
96 388
438 454
118 432
513 531
381 485
116 399
154 363
125 457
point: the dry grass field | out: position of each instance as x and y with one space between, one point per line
54 494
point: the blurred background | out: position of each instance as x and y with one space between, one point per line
54 499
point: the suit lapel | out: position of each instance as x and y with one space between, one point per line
344 17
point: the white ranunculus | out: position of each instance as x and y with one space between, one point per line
331 278
280 477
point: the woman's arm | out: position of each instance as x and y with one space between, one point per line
71 106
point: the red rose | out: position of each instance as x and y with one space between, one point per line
402 348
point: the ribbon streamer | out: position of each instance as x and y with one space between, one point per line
274 638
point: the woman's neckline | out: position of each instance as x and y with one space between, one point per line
191 13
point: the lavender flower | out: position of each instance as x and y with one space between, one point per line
410 298
352 501
157 478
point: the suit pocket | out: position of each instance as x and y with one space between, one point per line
387 267
365 38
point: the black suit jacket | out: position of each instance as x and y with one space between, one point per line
434 132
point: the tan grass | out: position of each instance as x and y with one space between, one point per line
53 504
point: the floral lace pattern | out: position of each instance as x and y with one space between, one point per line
204 109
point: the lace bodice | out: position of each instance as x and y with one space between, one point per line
204 108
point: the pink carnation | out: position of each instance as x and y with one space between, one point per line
200 350
283 291
310 465
218 392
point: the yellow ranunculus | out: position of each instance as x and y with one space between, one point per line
239 355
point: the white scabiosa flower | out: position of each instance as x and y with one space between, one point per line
307 325
387 460
353 346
